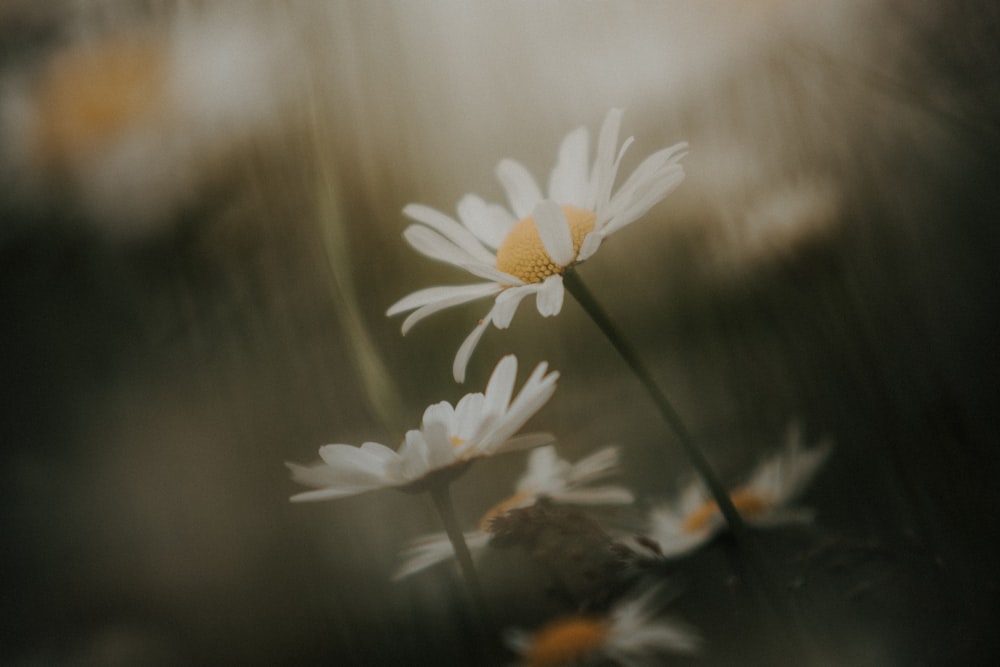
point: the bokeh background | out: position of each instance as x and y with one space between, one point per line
200 232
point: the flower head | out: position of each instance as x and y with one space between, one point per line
547 475
627 635
481 424
527 249
694 518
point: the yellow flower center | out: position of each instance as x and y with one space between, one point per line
456 441
565 642
522 254
746 501
88 97
503 507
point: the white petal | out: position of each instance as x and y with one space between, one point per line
438 294
661 164
678 543
536 392
316 474
333 493
607 142
466 348
601 463
568 182
350 459
428 242
423 553
550 296
693 496
554 231
450 229
432 549
455 300
414 456
604 195
591 242
522 190
654 179
331 483
521 442
469 415
635 205
543 464
500 387
803 468
437 427
438 416
659 636
489 222
507 303
492 273
785 475
378 452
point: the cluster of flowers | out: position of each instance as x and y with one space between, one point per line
521 251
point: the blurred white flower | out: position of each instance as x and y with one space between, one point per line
547 475
480 425
131 124
628 635
693 518
527 249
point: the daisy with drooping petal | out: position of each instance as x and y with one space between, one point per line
628 635
527 249
693 518
547 475
449 438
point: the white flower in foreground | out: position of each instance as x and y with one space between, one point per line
693 518
481 424
628 635
547 475
527 249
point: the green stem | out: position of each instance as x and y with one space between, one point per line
441 495
762 580
701 465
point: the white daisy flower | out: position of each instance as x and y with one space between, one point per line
694 518
527 249
547 475
449 438
628 635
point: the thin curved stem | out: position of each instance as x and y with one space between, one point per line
441 495
701 465
763 580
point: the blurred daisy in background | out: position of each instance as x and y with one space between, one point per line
449 438
527 249
628 635
694 518
547 476
131 123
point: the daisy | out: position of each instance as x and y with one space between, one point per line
481 424
547 475
627 635
527 249
693 518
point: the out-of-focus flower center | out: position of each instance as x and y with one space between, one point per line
456 441
89 97
747 502
502 507
564 642
522 254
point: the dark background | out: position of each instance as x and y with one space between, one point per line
831 260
